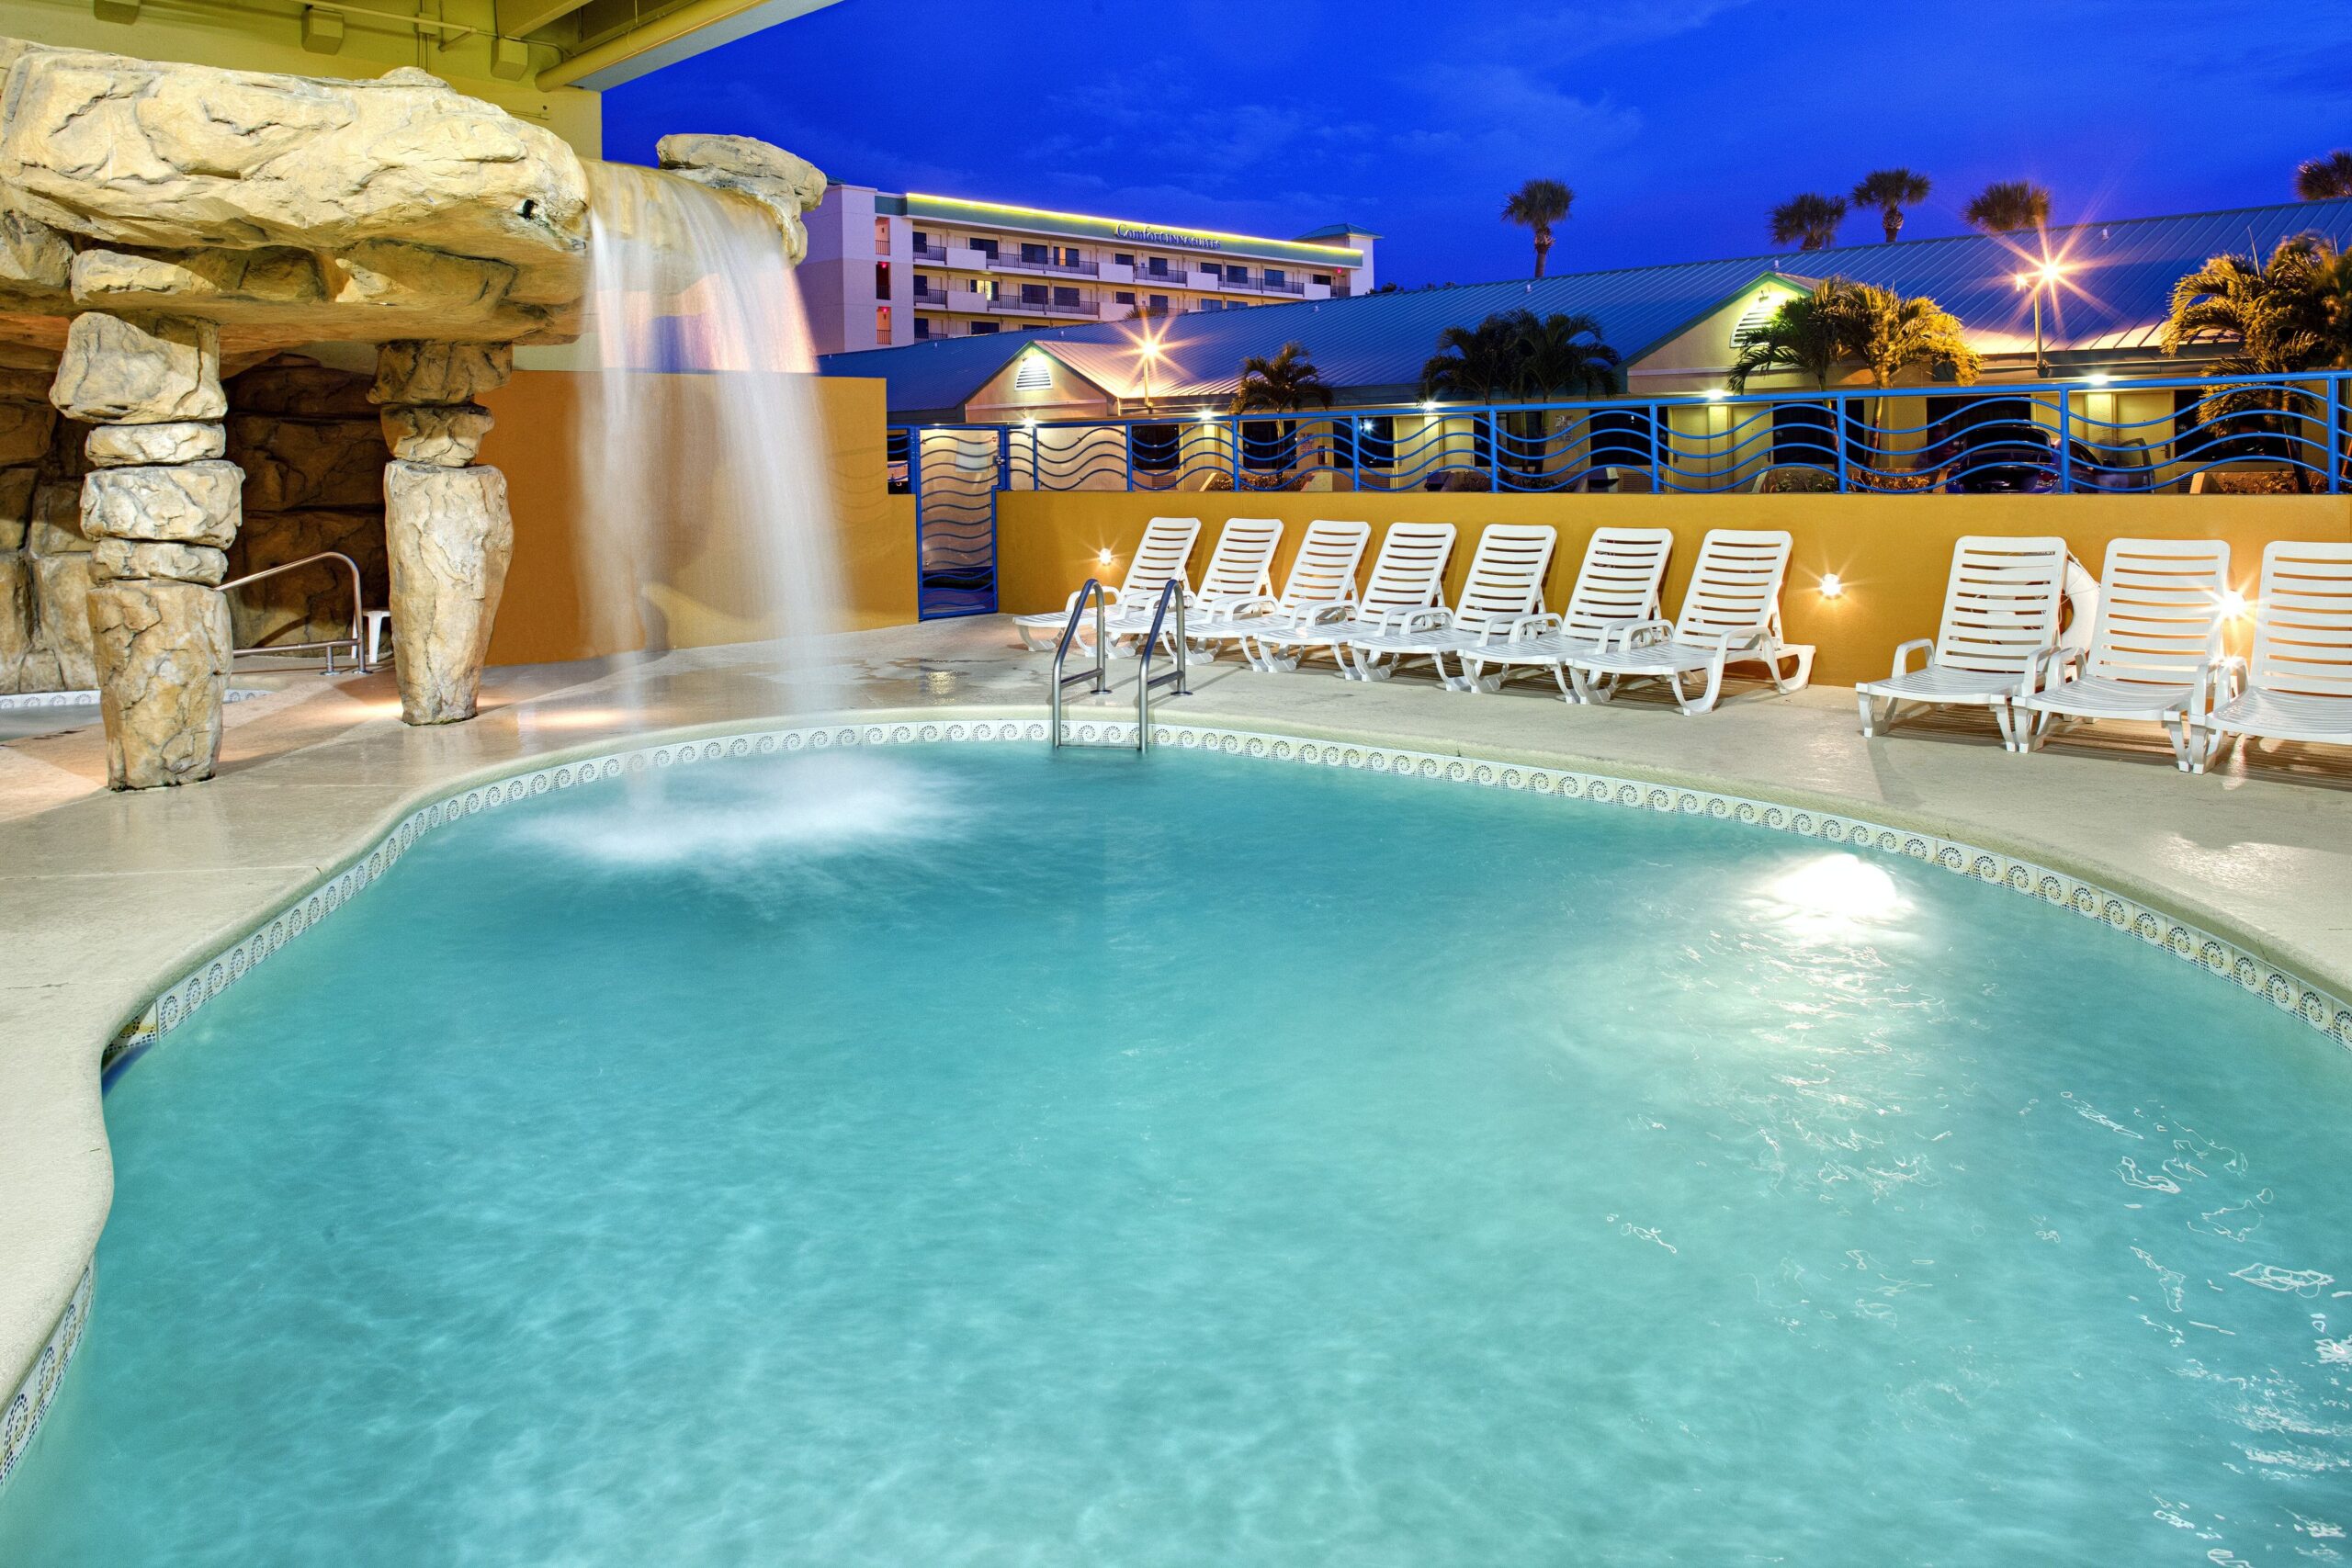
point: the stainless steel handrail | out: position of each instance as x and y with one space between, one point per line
358 604
1172 590
1101 673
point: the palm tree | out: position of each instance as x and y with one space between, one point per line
1805 333
1287 381
1891 190
1477 365
2005 206
1810 221
2292 312
1565 358
2326 179
1891 332
1537 205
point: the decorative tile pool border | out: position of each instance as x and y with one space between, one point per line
2249 971
31 1398
16 700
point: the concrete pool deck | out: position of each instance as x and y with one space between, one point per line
106 899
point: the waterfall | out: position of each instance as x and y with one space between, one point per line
703 477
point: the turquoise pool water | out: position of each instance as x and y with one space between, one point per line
969 1155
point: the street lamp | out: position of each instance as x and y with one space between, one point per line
1147 349
2040 280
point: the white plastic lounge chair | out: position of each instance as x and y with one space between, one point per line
1731 614
2299 686
1166 546
1407 576
1323 576
1506 583
1240 569
2161 604
1617 586
2001 611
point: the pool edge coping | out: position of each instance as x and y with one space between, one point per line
2208 938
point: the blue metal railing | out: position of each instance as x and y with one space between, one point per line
2157 434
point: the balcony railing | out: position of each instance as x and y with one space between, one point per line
1084 305
2282 435
933 253
1062 269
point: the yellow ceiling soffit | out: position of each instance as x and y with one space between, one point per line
664 41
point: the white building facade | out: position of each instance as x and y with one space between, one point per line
885 269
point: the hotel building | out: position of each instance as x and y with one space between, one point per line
885 270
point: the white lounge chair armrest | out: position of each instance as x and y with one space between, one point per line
1526 628
2217 679
1329 614
1635 634
1252 604
2048 668
1925 644
1428 620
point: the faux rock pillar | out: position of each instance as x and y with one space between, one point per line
159 507
447 528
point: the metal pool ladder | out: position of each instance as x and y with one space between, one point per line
1099 675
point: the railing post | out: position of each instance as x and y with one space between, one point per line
1234 458
1837 436
1494 450
2335 434
2066 440
1127 452
1004 456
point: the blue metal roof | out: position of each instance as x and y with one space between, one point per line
2118 281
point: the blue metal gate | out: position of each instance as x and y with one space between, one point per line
952 469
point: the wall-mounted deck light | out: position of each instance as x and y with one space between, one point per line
1832 586
2233 604
1102 557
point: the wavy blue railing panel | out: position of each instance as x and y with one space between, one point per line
2025 437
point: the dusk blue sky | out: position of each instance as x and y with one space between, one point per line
1677 122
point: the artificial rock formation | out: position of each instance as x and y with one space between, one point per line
786 184
446 526
306 436
157 534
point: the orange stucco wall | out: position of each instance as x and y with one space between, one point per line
710 596
1891 552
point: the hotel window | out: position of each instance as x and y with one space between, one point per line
881 236
1622 438
1064 299
1124 297
1159 304
982 329
1159 267
1033 294
1067 256
923 327
1269 445
922 241
1275 278
881 280
1211 304
1240 275
882 324
1375 442
1321 280
1037 255
985 247
1122 258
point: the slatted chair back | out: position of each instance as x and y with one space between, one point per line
1166 546
1325 572
1242 565
1409 572
1735 592
1507 573
1617 582
2161 604
2002 602
2303 624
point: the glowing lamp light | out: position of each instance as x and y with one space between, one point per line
1836 897
2098 377
1102 558
2233 604
1832 585
1716 394
1429 407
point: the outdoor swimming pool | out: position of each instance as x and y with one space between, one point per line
975 1155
